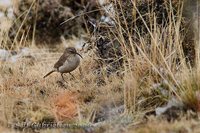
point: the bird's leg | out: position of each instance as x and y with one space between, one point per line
72 75
63 77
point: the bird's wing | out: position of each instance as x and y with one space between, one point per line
61 61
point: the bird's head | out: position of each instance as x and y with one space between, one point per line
72 50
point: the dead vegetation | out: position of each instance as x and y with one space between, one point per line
54 18
137 73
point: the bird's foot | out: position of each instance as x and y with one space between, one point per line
63 77
62 84
72 76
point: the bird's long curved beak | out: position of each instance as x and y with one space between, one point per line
79 55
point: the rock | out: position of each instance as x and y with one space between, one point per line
108 114
172 110
14 56
4 54
5 3
6 9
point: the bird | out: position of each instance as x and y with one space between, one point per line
67 63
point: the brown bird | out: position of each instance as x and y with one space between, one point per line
68 62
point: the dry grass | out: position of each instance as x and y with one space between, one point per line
109 103
26 96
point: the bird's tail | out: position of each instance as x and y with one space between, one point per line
49 73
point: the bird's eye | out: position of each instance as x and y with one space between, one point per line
71 50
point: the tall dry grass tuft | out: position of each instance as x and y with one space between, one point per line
161 48
130 92
190 87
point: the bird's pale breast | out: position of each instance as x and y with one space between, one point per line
70 64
